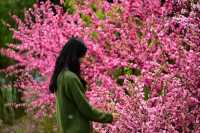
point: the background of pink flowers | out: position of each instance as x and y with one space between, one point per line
143 60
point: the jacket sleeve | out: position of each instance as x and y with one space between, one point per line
90 113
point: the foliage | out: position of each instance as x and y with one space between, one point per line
143 61
8 8
8 97
28 124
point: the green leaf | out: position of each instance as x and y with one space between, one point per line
87 19
138 22
100 14
98 82
119 10
139 34
5 61
69 6
128 71
117 34
118 72
120 81
94 34
161 92
147 92
186 46
94 7
136 71
150 42
171 61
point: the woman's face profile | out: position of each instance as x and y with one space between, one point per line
81 59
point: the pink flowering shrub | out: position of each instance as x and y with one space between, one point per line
143 60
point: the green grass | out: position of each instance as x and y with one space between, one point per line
28 124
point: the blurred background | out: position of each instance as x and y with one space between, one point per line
14 120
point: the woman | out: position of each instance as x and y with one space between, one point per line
74 113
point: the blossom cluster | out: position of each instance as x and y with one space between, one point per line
143 60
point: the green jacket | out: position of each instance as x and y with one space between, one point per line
73 112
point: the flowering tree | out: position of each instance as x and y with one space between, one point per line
143 60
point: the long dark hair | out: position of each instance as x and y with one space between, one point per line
69 58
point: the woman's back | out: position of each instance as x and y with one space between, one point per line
68 115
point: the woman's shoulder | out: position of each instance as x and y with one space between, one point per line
69 74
